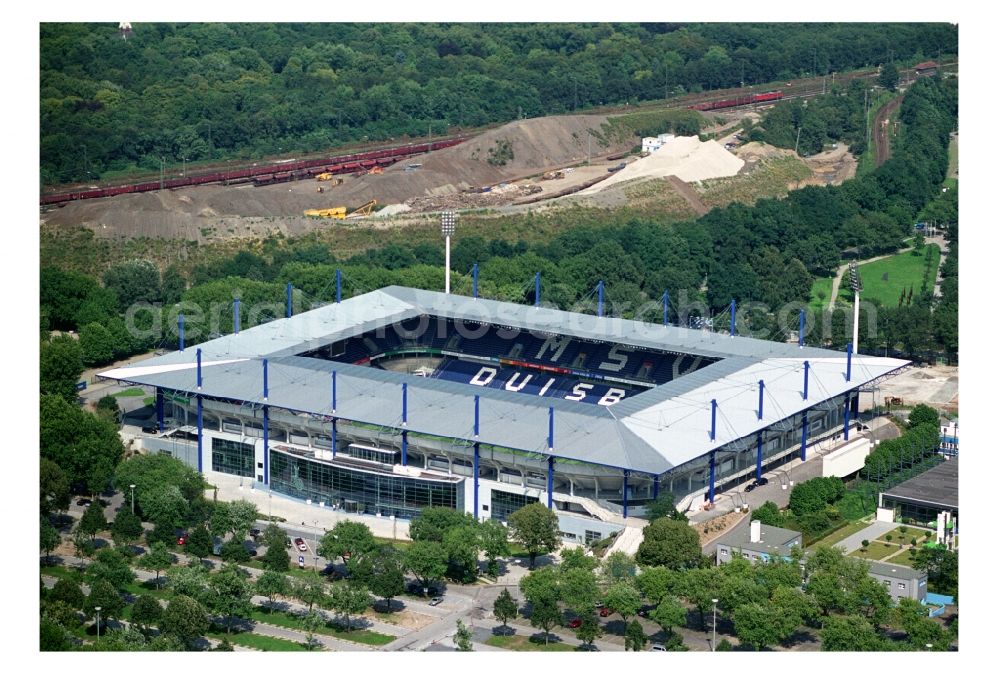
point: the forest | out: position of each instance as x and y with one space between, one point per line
180 93
766 253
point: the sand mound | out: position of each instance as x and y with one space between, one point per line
685 157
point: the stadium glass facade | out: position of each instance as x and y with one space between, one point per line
505 504
359 489
232 457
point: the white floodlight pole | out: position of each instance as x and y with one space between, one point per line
447 229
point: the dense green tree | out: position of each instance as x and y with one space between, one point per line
589 629
49 537
545 615
199 542
60 366
463 637
618 566
434 522
111 566
134 281
69 592
54 487
311 591
888 77
53 637
623 598
941 566
536 528
158 558
922 414
127 528
635 636
184 618
427 561
768 514
494 542
577 557
349 538
504 607
851 633
92 522
271 584
231 590
663 506
657 583
97 345
190 581
381 570
146 612
669 613
350 599
669 543
761 625
578 589
106 597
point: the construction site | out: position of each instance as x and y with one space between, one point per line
547 163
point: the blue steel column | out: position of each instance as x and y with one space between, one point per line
715 407
666 307
600 298
288 299
656 487
760 400
732 318
333 428
180 331
475 461
711 478
338 285
538 289
475 280
267 435
850 351
405 440
805 432
159 409
236 315
625 474
847 416
760 452
200 420
550 478
805 386
802 327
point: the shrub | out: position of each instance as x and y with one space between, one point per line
913 541
864 544
888 537
723 646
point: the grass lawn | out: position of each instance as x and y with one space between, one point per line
288 621
819 295
306 573
904 558
130 392
901 272
839 534
402 545
876 551
520 642
266 643
911 532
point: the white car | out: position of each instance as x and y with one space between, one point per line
301 544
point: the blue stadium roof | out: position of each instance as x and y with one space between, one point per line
650 432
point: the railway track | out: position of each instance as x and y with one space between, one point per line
284 170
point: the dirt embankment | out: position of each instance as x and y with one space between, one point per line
516 150
883 128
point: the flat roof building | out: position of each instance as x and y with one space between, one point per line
922 498
757 542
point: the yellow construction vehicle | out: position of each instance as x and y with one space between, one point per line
375 170
364 210
336 212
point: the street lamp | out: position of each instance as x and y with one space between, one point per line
131 488
447 229
714 604
98 609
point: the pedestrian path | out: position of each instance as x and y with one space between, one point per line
871 533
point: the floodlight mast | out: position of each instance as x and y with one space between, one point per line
447 229
857 286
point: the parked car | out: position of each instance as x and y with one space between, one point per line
658 648
749 487
182 538
761 481
436 601
604 612
301 545
575 623
84 502
255 533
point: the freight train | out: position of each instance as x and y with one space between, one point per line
743 100
267 174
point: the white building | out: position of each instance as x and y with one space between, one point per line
654 143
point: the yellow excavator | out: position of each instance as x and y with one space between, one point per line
340 213
327 176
